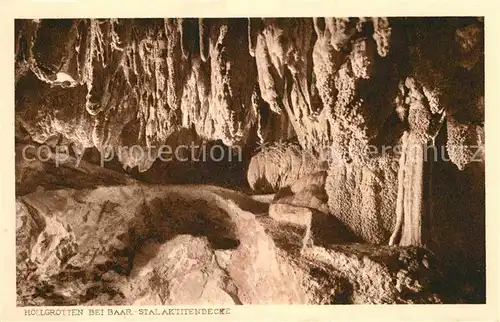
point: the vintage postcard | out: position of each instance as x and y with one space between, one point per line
236 163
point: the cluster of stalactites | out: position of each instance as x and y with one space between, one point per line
320 93
150 76
216 74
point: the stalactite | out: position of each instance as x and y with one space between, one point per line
254 28
175 64
463 144
382 35
204 40
341 31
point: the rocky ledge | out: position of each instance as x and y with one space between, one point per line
158 245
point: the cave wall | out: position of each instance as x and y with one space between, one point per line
333 85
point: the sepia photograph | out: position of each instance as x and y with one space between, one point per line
245 160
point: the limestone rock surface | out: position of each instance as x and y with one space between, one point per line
160 245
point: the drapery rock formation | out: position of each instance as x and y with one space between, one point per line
339 116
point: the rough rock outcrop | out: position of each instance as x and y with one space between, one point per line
60 170
280 165
162 245
308 191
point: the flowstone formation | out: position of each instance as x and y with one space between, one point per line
365 130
